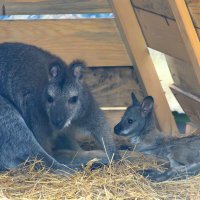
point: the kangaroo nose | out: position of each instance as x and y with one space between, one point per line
117 129
57 121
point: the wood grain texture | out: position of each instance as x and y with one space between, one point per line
97 41
161 7
183 75
36 7
189 102
194 8
112 86
162 35
138 52
188 34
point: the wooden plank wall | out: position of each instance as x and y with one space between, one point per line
96 41
112 86
183 75
30 7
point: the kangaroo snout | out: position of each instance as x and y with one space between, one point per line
117 129
58 122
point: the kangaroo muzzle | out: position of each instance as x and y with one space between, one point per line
117 129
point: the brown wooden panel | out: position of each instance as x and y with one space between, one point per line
96 41
183 75
189 102
161 7
161 34
31 7
112 86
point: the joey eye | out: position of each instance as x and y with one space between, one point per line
50 99
73 100
130 121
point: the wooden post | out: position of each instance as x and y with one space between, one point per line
139 55
188 33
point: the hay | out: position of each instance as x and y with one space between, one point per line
117 181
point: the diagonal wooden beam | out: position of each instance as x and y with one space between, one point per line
139 55
188 33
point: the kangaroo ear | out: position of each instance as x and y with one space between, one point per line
54 70
134 99
147 105
77 67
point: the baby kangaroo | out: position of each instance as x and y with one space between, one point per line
183 154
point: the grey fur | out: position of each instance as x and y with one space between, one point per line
40 95
183 154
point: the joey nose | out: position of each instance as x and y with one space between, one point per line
117 129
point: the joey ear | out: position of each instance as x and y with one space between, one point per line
54 70
134 99
77 67
147 105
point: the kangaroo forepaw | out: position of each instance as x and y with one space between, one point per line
153 175
96 165
126 147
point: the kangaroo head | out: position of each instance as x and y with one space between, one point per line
136 117
63 95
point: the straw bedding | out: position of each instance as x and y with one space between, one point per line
117 181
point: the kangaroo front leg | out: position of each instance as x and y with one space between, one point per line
79 157
104 137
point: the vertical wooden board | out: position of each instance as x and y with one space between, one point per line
97 41
36 7
162 34
138 52
188 34
189 102
112 86
183 75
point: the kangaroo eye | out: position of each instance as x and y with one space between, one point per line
73 99
50 99
130 121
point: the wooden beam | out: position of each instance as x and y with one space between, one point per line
97 41
36 7
138 52
189 102
188 34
